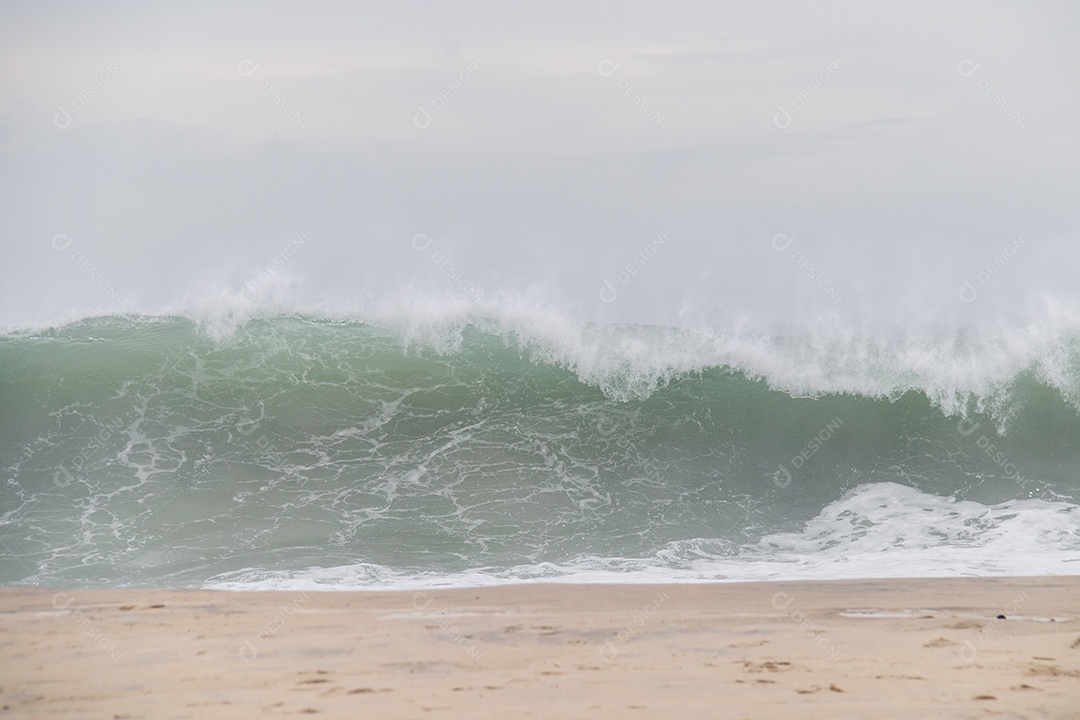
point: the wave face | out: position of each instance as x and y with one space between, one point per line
309 452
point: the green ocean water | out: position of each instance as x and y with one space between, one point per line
307 452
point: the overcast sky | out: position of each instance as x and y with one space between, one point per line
867 158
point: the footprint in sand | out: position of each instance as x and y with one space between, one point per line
940 642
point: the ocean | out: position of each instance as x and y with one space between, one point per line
379 297
338 452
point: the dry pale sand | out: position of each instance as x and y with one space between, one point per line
850 649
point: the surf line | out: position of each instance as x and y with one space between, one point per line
782 477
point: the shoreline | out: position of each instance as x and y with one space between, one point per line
917 648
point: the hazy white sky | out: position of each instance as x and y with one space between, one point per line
163 156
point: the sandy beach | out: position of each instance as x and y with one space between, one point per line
946 648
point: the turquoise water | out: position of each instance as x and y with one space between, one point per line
305 452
